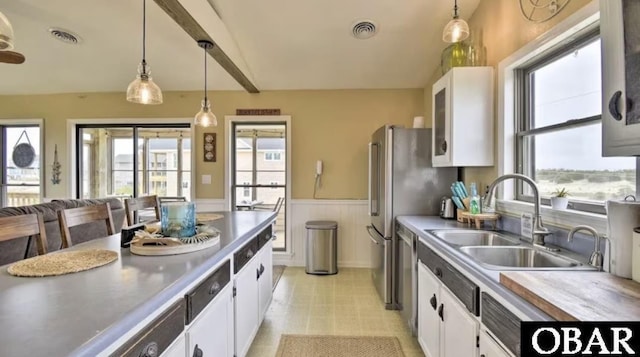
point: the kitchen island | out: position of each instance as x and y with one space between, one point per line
96 312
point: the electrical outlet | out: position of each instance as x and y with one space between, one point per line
526 225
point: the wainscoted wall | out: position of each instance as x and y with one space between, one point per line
354 245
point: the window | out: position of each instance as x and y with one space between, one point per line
20 180
559 129
272 156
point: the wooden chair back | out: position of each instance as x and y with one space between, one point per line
82 215
132 205
165 199
26 225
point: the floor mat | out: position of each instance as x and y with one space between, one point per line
277 273
338 346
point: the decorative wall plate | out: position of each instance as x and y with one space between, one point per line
209 147
541 10
23 155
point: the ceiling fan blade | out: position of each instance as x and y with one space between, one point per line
11 57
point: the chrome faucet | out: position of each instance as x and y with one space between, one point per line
539 230
596 257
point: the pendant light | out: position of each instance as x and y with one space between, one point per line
143 90
457 29
205 116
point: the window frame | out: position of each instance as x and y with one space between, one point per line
524 115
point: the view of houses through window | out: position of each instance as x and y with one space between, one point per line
260 172
109 155
20 181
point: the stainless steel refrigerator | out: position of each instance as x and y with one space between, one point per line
402 181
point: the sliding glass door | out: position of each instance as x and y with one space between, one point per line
131 161
21 162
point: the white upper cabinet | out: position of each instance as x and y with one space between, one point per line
462 117
620 34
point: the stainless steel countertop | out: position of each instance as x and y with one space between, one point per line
84 313
488 279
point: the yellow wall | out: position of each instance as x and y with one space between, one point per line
333 126
499 27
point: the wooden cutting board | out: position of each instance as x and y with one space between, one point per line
581 296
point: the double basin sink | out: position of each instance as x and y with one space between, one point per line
498 251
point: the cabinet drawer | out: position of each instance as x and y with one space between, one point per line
154 339
242 256
504 325
463 288
200 297
265 236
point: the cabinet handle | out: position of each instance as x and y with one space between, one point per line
257 273
197 352
483 355
443 146
441 312
249 254
215 288
261 269
438 272
434 301
150 350
613 105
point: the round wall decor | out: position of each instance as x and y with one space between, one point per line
541 10
23 155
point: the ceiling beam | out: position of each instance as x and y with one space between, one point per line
208 24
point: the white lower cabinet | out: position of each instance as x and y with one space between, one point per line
177 349
445 328
428 319
490 348
211 333
246 306
265 280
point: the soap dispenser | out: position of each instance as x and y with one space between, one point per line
474 203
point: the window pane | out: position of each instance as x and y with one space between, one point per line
123 183
572 159
28 174
22 195
186 154
568 88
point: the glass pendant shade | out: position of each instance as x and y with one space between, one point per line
143 90
456 30
205 116
6 34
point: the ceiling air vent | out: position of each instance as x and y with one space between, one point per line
65 36
364 29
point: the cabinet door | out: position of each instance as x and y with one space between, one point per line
266 277
246 306
177 349
208 334
459 328
620 36
490 348
428 320
441 121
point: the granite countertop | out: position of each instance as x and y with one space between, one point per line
84 313
488 279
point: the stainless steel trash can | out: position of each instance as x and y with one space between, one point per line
322 247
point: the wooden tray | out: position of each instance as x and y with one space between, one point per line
466 217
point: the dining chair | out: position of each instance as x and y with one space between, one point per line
27 225
132 205
73 217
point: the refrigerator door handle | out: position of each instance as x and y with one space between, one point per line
374 235
374 172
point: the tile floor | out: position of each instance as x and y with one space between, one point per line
342 304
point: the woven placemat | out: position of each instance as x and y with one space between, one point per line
339 346
207 217
62 263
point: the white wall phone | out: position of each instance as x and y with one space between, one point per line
318 174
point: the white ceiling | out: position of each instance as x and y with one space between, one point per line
286 44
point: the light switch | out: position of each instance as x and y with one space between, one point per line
206 179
